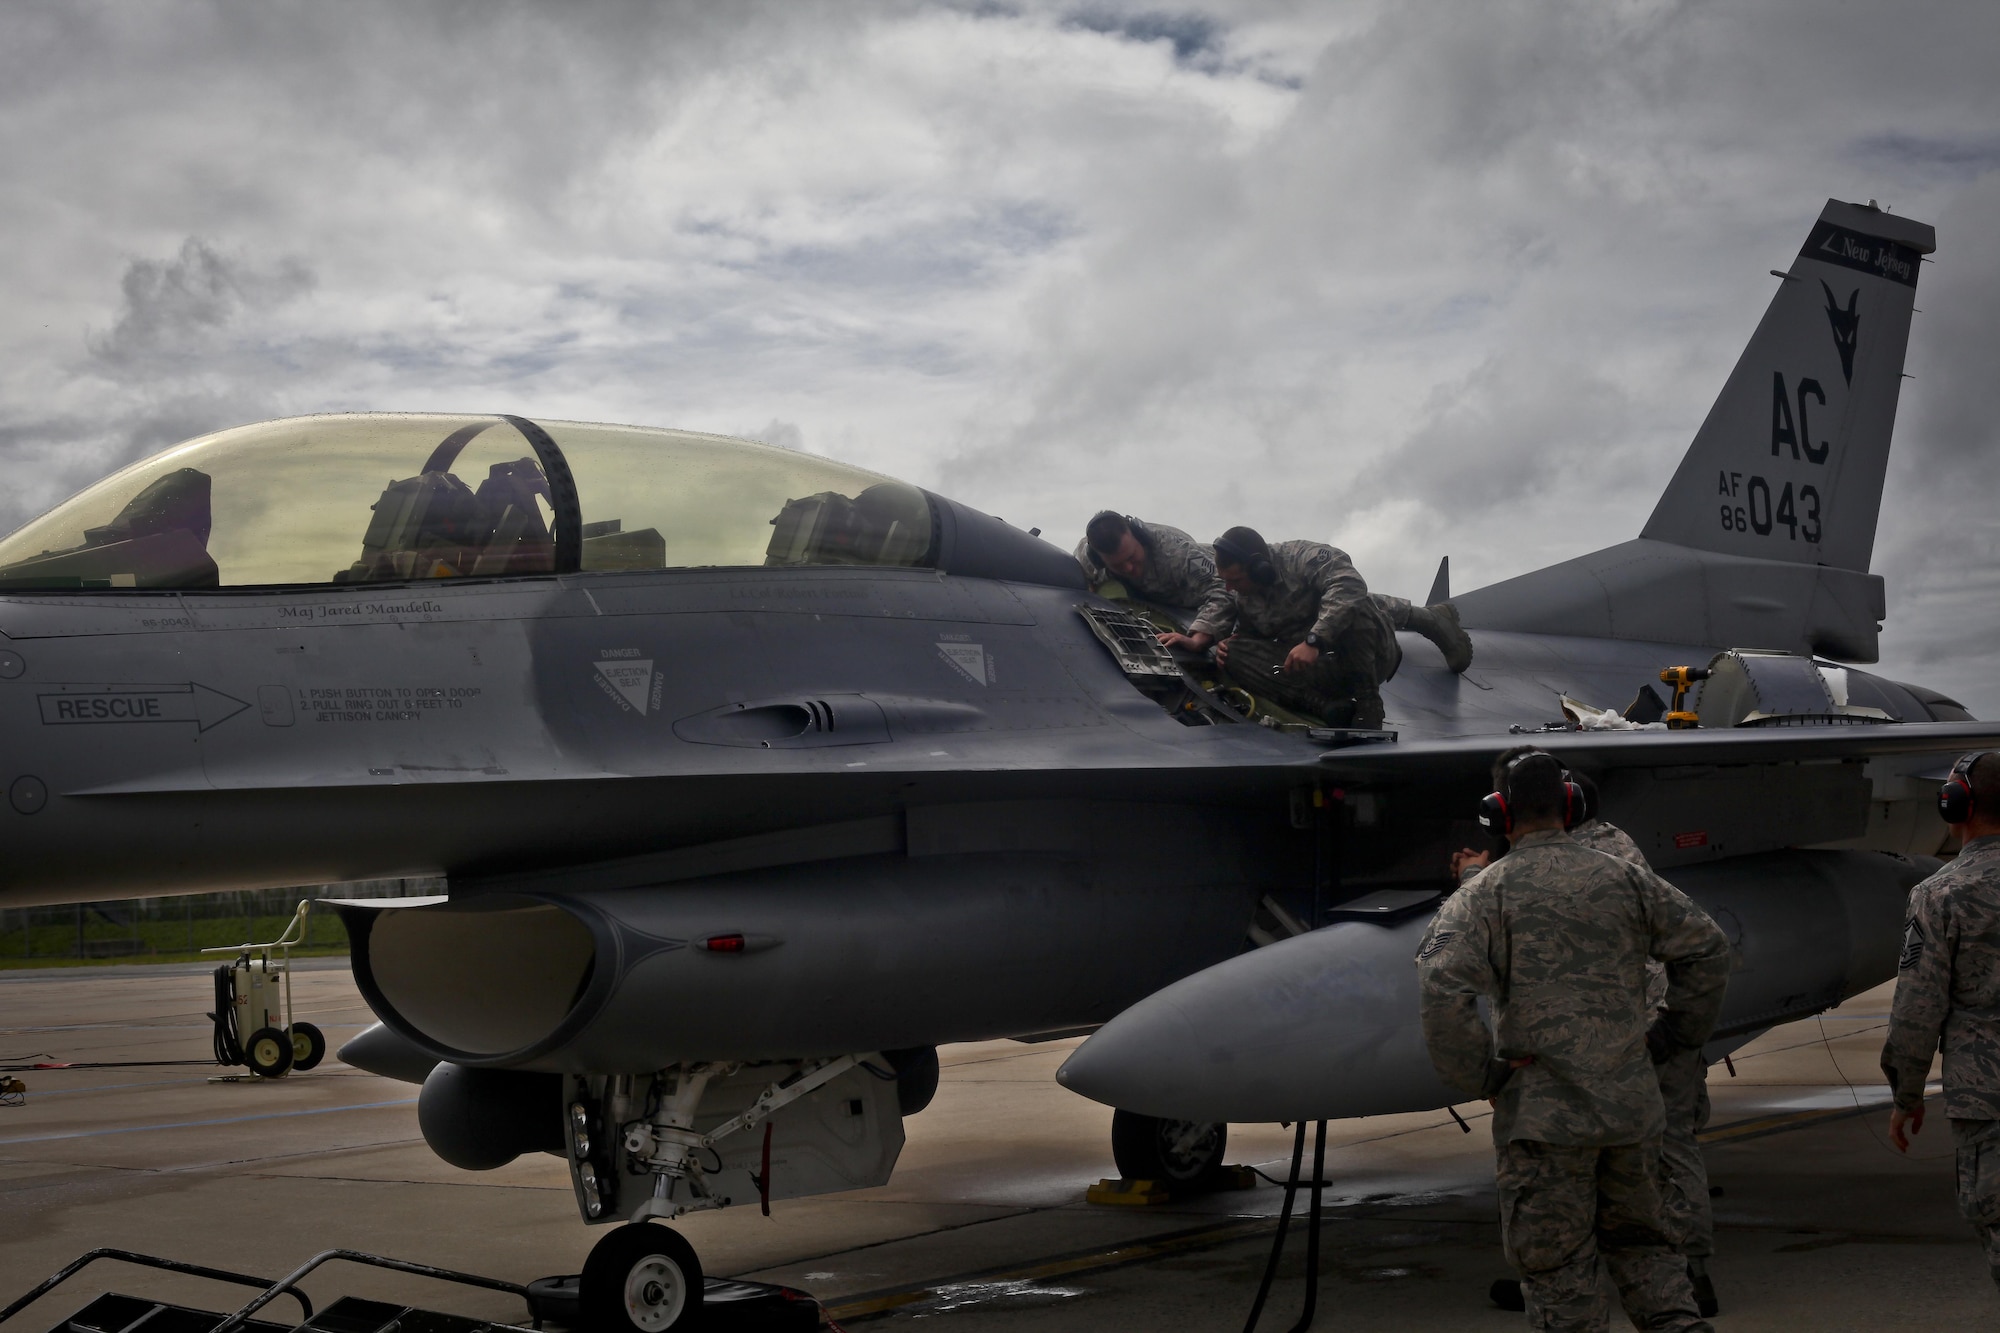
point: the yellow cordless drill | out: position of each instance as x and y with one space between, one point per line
1681 677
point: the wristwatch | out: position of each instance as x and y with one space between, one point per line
1314 641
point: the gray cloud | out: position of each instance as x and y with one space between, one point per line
1422 279
175 309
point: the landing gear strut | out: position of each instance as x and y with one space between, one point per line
641 1278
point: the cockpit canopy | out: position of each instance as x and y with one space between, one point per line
381 498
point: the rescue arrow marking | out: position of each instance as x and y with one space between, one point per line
94 704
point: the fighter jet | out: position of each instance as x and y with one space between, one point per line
755 776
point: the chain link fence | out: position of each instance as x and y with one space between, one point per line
168 929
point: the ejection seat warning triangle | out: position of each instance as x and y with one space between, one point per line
628 682
87 704
969 658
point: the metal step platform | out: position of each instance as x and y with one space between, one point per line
752 1307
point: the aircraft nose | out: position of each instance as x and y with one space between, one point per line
1323 1026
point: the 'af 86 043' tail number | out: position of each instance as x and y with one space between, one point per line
1748 507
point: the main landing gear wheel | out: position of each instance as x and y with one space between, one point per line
641 1278
1181 1154
268 1053
308 1046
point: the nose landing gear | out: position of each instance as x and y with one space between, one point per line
642 1278
1184 1155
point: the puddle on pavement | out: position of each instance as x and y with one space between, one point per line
1012 1293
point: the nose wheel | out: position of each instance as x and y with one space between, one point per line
1182 1153
641 1278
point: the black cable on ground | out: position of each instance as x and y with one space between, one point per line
100 1064
1278 1242
228 1041
1312 1231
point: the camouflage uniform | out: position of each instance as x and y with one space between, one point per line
1684 1203
1948 992
1180 572
1556 937
1317 590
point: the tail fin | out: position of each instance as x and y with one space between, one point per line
1763 538
1789 464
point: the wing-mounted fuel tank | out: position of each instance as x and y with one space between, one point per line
1323 1026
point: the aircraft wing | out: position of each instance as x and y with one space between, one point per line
1463 756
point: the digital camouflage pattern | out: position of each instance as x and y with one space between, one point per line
1978 1152
1556 936
1948 988
1567 1214
1343 687
1319 590
1685 1212
1180 572
1600 835
1687 1216
1604 836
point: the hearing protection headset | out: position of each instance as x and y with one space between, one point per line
1232 550
1496 810
1132 525
1955 801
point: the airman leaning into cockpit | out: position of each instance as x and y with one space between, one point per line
1157 563
1162 564
1303 629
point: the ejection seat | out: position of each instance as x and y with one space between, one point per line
158 540
434 526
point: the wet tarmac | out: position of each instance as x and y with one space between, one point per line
984 1227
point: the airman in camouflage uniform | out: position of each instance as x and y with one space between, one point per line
1312 639
1161 564
1556 936
1438 623
1948 993
1157 563
1683 1074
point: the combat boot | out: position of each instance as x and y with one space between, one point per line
1440 625
1704 1288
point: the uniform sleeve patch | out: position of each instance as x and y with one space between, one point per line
1913 945
1436 944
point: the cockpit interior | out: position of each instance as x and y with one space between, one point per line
305 501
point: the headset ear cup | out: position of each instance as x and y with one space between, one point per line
1494 816
1572 805
1263 572
1955 802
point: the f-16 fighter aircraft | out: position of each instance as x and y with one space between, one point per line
755 777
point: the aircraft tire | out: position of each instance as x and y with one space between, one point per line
268 1052
1183 1155
308 1046
641 1278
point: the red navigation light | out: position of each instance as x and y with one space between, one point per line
723 944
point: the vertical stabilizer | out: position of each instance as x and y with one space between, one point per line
1763 538
1789 464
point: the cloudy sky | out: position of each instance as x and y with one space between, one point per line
1418 278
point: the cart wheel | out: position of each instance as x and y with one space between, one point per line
641 1279
268 1053
308 1046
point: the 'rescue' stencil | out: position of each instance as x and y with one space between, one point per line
628 683
969 658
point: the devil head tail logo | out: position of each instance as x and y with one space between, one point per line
1846 324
